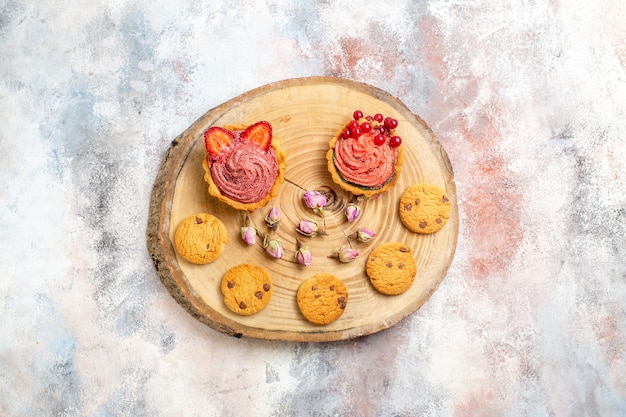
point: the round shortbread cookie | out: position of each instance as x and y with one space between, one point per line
424 208
391 268
322 298
200 238
247 289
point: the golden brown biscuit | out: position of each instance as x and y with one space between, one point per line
200 238
322 298
391 268
424 208
247 289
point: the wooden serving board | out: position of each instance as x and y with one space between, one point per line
304 113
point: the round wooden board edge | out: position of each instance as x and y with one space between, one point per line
162 252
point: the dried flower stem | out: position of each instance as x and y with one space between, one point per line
293 183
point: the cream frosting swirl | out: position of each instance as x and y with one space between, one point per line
361 162
244 171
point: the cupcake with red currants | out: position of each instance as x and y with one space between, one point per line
365 155
244 165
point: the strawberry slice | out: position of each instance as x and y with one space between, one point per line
216 139
259 133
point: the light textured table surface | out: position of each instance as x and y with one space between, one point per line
528 99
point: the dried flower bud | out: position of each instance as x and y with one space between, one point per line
303 255
345 254
308 228
316 201
363 234
273 218
248 234
353 211
273 248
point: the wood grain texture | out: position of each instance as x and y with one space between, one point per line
304 113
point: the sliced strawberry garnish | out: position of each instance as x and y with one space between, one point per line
259 133
216 139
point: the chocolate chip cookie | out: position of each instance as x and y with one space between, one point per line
247 289
322 298
391 268
424 208
200 238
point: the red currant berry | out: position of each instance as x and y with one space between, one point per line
345 134
395 141
352 124
379 140
369 118
378 117
366 127
391 123
356 132
357 114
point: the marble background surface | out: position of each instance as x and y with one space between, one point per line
529 100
